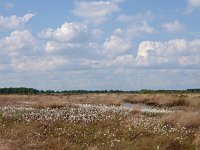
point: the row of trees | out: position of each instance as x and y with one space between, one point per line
23 90
19 91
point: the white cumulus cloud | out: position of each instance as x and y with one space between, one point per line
139 17
14 22
68 32
116 45
178 52
38 63
175 26
134 30
194 3
52 46
95 11
18 40
120 40
96 33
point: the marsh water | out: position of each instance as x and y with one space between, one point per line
144 108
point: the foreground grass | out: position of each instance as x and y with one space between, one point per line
93 127
105 135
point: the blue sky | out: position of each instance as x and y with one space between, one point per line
100 44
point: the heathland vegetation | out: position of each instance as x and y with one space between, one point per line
99 121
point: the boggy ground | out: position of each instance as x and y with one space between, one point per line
99 122
162 100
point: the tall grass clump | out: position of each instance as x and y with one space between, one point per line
49 104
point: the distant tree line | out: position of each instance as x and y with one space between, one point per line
23 90
18 91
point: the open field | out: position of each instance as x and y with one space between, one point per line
100 121
162 100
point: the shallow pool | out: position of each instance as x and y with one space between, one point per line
144 108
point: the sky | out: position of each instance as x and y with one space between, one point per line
100 44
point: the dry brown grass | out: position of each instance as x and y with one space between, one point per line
135 131
49 104
168 100
162 100
186 119
3 145
92 148
197 140
11 99
94 136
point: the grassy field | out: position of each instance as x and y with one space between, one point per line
100 122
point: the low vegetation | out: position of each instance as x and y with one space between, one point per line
166 100
99 122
